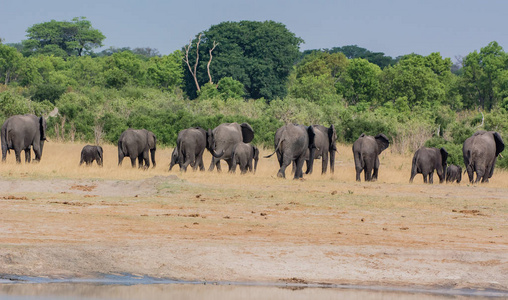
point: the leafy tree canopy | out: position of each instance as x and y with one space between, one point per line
260 55
353 51
62 38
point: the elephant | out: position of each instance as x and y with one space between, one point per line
366 150
426 160
291 144
136 143
224 137
480 152
325 142
190 145
243 154
22 132
453 173
90 153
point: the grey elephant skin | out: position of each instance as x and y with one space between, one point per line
291 145
190 145
325 141
453 173
426 160
90 153
366 150
244 154
137 144
224 137
480 152
20 132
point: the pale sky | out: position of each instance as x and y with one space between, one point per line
396 27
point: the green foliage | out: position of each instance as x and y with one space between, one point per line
166 72
361 82
62 38
260 55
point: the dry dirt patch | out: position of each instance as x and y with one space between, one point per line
220 226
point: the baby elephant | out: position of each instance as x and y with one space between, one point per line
453 173
243 154
91 153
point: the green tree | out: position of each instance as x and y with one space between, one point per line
315 77
62 38
361 82
10 63
166 71
260 55
413 79
484 77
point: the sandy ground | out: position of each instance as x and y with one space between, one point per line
325 229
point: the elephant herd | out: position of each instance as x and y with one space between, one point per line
294 144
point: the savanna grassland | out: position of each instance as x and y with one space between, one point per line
61 220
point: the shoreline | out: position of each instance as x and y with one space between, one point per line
130 279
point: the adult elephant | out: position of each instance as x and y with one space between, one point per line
426 160
366 150
453 173
224 137
21 132
325 141
90 153
291 145
243 155
190 145
480 152
137 143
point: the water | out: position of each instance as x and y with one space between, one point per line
131 287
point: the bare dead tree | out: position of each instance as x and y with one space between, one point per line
193 72
210 61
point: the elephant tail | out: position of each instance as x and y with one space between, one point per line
276 148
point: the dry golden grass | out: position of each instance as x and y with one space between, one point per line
61 160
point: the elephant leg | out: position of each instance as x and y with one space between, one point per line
146 158
424 178
285 163
199 162
299 168
369 166
133 161
28 155
231 163
358 166
309 168
375 169
214 163
470 173
413 173
324 163
82 160
18 156
431 177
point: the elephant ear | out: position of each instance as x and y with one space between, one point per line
42 128
332 138
382 142
209 139
247 132
152 140
499 143
444 156
312 134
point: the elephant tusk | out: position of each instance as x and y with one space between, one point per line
501 155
